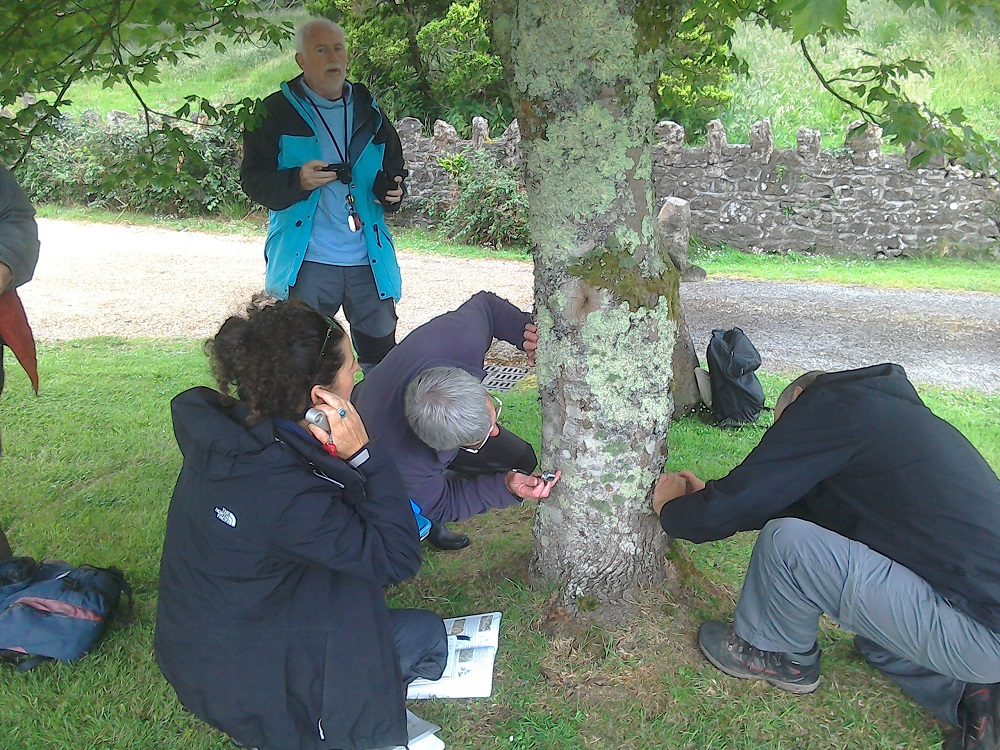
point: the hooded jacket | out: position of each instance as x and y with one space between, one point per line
860 454
272 156
272 624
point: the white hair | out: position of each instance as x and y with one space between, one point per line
303 29
447 407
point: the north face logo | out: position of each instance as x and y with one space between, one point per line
226 516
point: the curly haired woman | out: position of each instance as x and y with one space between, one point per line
272 624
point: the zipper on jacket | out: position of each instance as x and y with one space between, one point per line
321 475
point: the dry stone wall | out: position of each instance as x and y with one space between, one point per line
852 200
756 197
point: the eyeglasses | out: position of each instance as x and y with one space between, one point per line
330 325
499 408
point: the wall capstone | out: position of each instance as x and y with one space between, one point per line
410 127
715 141
480 131
809 144
445 134
864 143
761 140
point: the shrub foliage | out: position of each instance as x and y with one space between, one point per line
92 163
490 206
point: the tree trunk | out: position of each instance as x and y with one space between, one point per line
606 297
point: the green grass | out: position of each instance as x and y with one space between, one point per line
253 226
87 477
243 70
965 61
925 271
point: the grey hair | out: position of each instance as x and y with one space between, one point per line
447 408
787 395
303 29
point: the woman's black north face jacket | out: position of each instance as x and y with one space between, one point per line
272 624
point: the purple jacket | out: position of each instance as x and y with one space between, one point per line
456 339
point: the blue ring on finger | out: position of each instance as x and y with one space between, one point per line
342 413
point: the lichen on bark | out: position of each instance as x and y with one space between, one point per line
606 300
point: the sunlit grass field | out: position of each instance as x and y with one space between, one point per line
965 58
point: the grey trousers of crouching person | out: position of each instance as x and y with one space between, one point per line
910 633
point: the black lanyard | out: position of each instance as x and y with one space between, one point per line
347 135
353 220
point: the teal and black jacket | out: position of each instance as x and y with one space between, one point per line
283 142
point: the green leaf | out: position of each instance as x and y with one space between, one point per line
815 17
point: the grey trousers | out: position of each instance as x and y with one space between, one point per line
799 571
372 320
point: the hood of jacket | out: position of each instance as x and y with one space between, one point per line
887 378
216 438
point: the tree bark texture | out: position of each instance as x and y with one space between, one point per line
606 297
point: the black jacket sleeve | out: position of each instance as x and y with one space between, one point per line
372 535
393 165
810 443
262 181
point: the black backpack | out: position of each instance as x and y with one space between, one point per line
737 396
53 610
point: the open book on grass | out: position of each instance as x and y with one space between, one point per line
472 650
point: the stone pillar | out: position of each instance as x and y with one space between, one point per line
761 141
864 143
809 144
674 225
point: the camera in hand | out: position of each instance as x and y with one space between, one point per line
318 418
343 170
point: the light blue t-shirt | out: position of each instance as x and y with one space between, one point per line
332 242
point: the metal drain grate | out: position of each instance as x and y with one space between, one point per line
502 378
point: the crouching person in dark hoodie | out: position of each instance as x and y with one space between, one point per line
272 624
876 512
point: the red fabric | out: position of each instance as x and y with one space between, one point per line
16 333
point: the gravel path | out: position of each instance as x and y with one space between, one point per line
107 280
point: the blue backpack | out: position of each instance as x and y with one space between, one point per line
53 610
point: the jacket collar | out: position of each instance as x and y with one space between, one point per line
367 115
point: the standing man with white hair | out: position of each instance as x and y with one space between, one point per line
328 164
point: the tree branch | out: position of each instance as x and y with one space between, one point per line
867 114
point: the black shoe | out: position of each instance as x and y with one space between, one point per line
441 538
978 719
737 658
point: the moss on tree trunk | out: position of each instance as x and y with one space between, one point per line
606 298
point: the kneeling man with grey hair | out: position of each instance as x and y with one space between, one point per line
877 513
427 401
